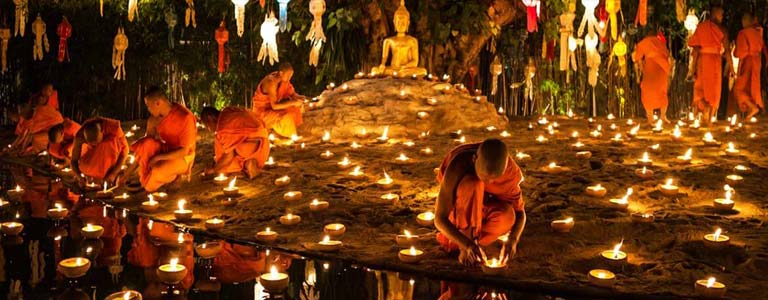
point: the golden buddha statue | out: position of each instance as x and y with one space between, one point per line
402 49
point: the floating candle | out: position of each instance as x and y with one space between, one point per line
731 150
645 161
617 140
214 224
426 151
317 205
74 267
623 202
290 219
602 278
274 281
344 163
644 173
326 155
356 173
553 168
422 115
432 101
642 218
91 231
328 245
596 191
293 196
615 255
231 190
716 239
710 288
150 205
685 158
270 162
335 230
383 138
402 158
583 154
181 213
385 182
725 204
58 212
563 226
410 256
425 219
11 228
283 181
406 239
668 189
266 236
171 273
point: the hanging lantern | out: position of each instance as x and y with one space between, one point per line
64 30
533 9
5 36
691 21
240 15
593 58
269 35
612 7
316 36
170 20
222 37
588 19
41 39
496 70
602 24
189 14
642 13
118 53
101 8
566 31
133 9
620 51
283 14
20 20
680 10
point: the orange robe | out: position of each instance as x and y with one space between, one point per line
483 211
656 70
709 70
146 249
43 118
230 265
64 149
239 130
114 231
285 121
97 160
749 46
176 130
53 100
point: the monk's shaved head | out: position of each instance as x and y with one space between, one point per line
717 13
156 101
92 132
748 20
210 117
491 160
56 133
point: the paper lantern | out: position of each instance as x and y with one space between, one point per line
593 58
240 15
283 14
41 39
189 14
269 31
680 10
588 19
566 33
222 37
64 30
533 9
5 36
613 7
316 36
133 9
691 21
20 19
118 53
496 69
620 51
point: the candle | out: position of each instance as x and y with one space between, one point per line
622 203
221 179
422 115
425 219
658 127
274 281
742 169
645 161
58 212
461 140
326 137
363 133
578 145
383 138
521 156
182 214
553 168
426 151
270 162
613 127
643 217
716 239
124 295
596 133
317 205
731 150
710 288
207 250
685 158
569 114
668 189
402 158
344 163
709 140
541 139
617 140
290 219
676 133
135 127
478 99
356 173
734 179
359 75
633 132
385 182
753 135
121 198
644 173
267 236
542 121
602 278
494 266
11 228
401 94
328 245
74 267
504 134
344 87
654 148
214 224
355 146
695 125
406 239
91 231
410 256
563 226
596 191
15 192
91 186
583 155
432 101
390 198
615 255
326 155
66 170
283 181
172 272
335 230
409 143
725 204
293 196
150 205
331 85
160 195
129 134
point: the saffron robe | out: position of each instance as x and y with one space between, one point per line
653 52
483 211
95 161
709 70
285 121
749 46
63 150
239 130
43 118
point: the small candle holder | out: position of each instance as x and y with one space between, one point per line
182 214
58 213
584 155
426 219
422 115
326 155
493 267
274 281
92 231
208 250
328 245
160 196
620 204
406 239
150 206
710 288
171 273
644 173
317 205
282 181
723 204
386 182
643 218
15 194
104 194
231 190
125 295
562 226
267 236
335 230
11 228
553 168
733 179
426 151
597 191
74 267
410 256
732 151
614 257
290 219
742 169
602 278
390 198
432 101
668 189
214 224
344 163
293 196
717 240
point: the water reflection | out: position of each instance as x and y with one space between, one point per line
130 256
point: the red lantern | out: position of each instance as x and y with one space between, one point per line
602 15
222 37
64 30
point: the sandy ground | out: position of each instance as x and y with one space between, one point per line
665 257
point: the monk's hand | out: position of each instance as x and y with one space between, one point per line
470 256
155 160
512 251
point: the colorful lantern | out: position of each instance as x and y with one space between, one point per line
41 39
5 36
566 33
691 21
189 14
316 36
118 53
613 7
533 9
283 14
269 31
20 19
620 51
64 30
222 37
593 58
588 19
240 15
133 9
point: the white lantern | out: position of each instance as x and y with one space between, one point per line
691 21
269 31
240 15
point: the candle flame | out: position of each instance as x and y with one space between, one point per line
344 161
181 204
356 172
734 118
708 137
273 270
89 227
173 262
284 178
575 134
268 230
428 216
676 133
402 157
315 202
688 153
629 193
151 199
669 182
655 146
611 117
645 170
634 130
180 238
384 134
78 261
270 161
355 145
541 138
658 125
232 183
711 281
127 296
387 179
570 113
552 165
58 207
731 147
326 136
18 188
617 137
728 192
412 251
717 233
327 153
326 239
407 233
616 249
630 122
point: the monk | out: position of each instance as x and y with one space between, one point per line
168 149
651 59
241 142
99 150
479 200
32 128
277 103
61 138
709 42
50 94
749 46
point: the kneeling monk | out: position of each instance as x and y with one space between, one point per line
61 138
241 142
277 103
479 200
168 149
33 126
100 149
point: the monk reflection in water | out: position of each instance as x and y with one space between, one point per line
154 244
241 142
277 103
99 150
479 200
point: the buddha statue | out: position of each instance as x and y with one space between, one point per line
401 49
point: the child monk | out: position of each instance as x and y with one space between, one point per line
652 60
99 150
479 200
277 103
749 46
33 125
168 149
241 142
61 138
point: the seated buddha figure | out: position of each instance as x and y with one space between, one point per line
402 49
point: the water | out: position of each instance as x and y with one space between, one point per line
128 253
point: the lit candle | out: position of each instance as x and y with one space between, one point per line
326 137
710 288
494 266
409 143
725 204
422 115
270 162
583 155
613 127
461 140
658 127
171 273
181 213
344 163
385 182
602 278
317 205
423 135
543 121
402 158
446 77
328 245
596 191
58 212
521 156
266 236
596 133
425 219
432 101
685 158
734 179
563 226
716 239
643 217
644 173
695 125
541 139
160 195
135 127
293 196
668 189
129 134
283 181
731 150
335 230
355 146
344 87
383 138
150 205
326 155
676 134
356 173
654 147
74 267
66 170
753 135
478 99
623 202
401 94
91 231
214 224
610 117
569 114
504 134
426 151
577 145
709 139
410 256
390 197
553 168
290 219
363 133
124 295
615 255
331 85
91 186
11 228
122 198
406 239
617 140
274 281
742 169
645 161
633 132
359 75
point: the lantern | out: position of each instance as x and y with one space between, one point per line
691 21
20 20
133 9
613 7
283 14
5 36
316 36
593 58
118 53
496 69
41 39
189 14
642 13
240 15
101 8
64 30
269 35
620 51
533 8
680 10
222 37
566 33
588 19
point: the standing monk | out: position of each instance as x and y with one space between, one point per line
32 128
61 138
709 42
479 199
100 149
167 151
241 142
652 62
277 103
749 46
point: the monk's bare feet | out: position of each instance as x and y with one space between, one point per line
252 169
753 111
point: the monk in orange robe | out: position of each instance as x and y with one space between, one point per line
709 42
32 128
168 149
749 46
277 103
241 142
50 94
100 149
155 243
479 199
651 58
61 138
